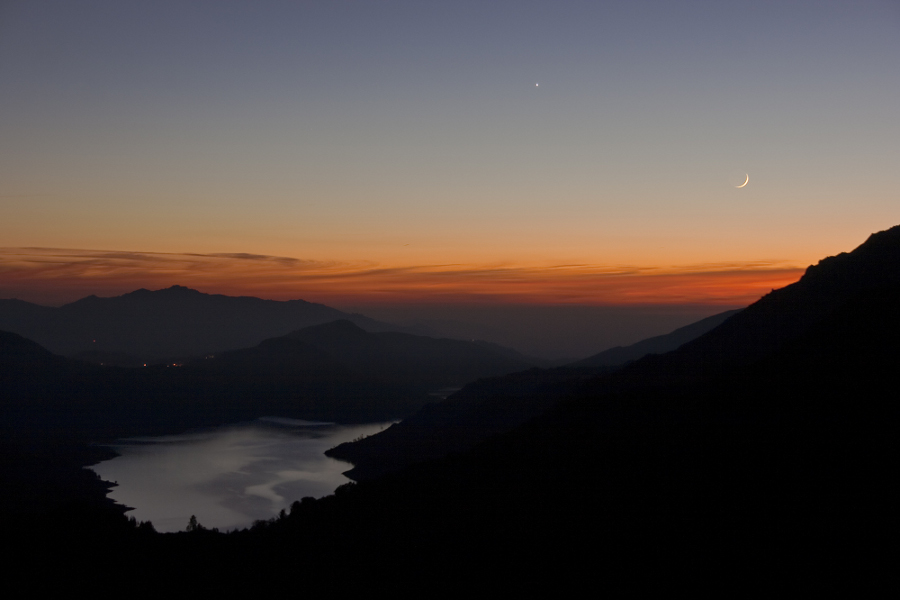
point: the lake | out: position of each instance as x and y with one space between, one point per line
230 476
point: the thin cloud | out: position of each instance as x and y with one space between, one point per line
71 273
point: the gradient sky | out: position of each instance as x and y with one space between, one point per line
378 152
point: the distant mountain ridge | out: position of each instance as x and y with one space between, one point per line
335 371
168 323
762 455
771 437
732 341
420 361
491 406
656 345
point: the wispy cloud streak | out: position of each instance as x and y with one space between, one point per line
57 275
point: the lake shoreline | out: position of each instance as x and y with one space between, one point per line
230 476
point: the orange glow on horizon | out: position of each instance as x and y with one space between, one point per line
61 275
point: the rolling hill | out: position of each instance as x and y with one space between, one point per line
176 322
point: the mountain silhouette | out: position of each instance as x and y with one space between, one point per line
175 322
480 410
712 347
422 361
655 345
336 371
492 406
777 456
782 315
762 452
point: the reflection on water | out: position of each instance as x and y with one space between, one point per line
227 477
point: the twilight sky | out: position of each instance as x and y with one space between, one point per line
370 153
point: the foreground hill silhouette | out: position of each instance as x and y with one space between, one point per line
765 447
494 405
147 325
780 316
660 344
760 454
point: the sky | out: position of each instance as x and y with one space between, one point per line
378 153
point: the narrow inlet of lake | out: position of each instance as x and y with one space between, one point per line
230 476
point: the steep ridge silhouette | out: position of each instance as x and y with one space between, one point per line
773 475
779 460
480 410
772 466
656 345
777 317
164 324
491 406
782 316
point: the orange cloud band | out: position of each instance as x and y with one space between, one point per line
52 275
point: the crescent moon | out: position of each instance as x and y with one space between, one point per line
745 182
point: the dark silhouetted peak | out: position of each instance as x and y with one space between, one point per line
888 238
172 322
873 263
175 291
91 300
180 289
782 315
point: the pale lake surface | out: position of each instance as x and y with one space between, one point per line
230 476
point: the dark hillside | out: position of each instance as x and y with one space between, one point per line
756 458
334 372
779 475
419 361
480 410
492 406
655 345
167 323
784 467
741 338
781 315
778 460
27 371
